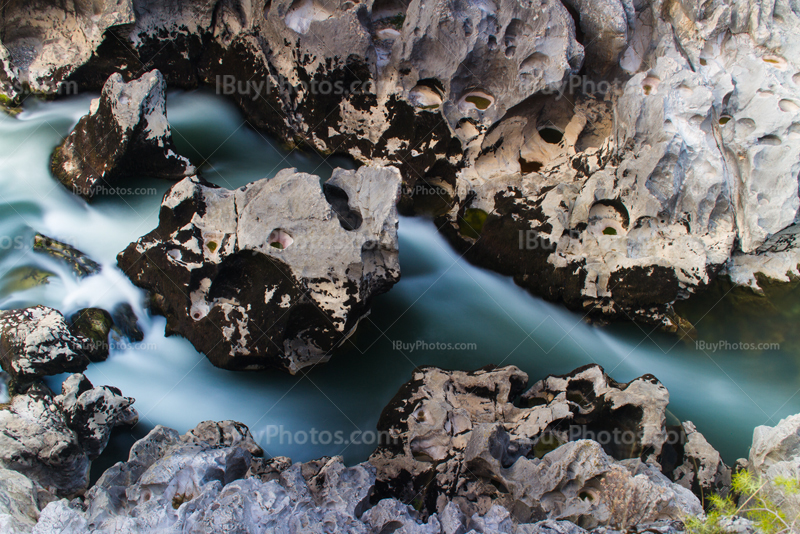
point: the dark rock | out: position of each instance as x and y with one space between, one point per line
126 322
81 264
268 276
94 324
52 440
36 342
126 134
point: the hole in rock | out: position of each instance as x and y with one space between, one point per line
510 51
788 105
551 135
390 13
280 239
775 61
529 166
350 219
796 78
476 100
534 63
304 12
724 119
650 84
427 94
771 140
267 6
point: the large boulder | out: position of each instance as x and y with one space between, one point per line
125 134
52 440
475 439
36 342
273 274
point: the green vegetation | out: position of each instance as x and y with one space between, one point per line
610 231
212 246
471 224
397 21
277 245
753 503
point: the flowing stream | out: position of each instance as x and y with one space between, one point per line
444 311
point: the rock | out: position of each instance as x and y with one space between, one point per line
36 342
775 454
475 439
51 440
626 152
93 412
81 264
276 273
126 323
125 134
94 324
43 44
703 470
21 499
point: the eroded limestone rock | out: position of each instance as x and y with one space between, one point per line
276 273
36 342
51 440
125 134
474 439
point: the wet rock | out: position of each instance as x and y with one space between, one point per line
126 322
276 273
475 439
52 440
36 342
125 134
81 264
93 324
93 412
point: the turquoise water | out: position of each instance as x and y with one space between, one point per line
440 299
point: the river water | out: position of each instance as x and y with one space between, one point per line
444 311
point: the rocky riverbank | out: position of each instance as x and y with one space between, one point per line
464 452
616 156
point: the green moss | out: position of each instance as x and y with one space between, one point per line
276 245
471 224
480 102
397 21
212 246
609 231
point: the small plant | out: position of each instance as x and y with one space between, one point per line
755 505
628 505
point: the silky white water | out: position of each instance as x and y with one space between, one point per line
443 312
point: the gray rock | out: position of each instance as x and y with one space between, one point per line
275 274
21 499
775 454
463 437
51 440
36 342
703 469
125 134
93 412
